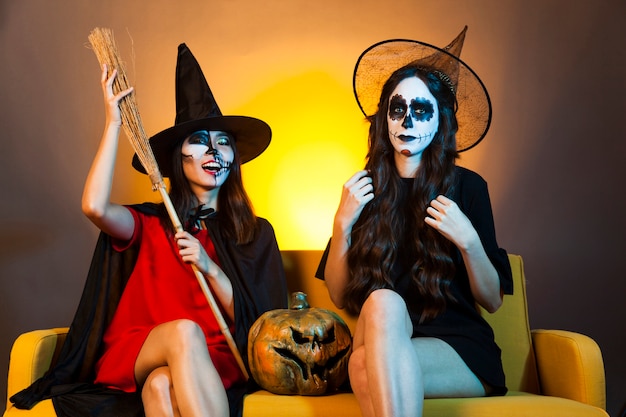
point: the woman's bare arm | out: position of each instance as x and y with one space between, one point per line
357 192
111 218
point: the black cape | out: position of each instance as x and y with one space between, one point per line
259 285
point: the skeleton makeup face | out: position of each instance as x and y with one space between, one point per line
207 157
413 117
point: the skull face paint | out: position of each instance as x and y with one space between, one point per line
207 157
413 117
421 110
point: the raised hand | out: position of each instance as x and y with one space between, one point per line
111 100
356 193
447 218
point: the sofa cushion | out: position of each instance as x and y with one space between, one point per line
514 404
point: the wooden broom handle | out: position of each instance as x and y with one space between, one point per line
205 288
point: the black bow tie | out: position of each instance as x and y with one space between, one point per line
200 214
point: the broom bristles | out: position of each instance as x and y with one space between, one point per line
105 48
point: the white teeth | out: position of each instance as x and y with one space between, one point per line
213 166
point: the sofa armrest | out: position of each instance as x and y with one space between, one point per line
31 356
570 366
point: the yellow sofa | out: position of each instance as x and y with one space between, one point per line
549 372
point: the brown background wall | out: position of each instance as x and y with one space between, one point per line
554 157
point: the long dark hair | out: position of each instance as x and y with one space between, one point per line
234 206
394 219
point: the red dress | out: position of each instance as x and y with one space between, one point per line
161 288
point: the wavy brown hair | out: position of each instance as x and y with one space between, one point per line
234 206
394 219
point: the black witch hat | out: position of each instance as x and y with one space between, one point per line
196 109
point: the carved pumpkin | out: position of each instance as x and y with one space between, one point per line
300 350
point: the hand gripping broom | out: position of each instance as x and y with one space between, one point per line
103 44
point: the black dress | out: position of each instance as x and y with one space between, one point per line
461 325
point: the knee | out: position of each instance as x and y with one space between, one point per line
157 388
186 336
356 370
383 306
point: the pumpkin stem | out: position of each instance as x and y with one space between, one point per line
298 301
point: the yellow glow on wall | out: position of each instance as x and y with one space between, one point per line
319 140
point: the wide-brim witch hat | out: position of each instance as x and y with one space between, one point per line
196 109
379 61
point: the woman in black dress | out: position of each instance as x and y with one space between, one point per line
414 247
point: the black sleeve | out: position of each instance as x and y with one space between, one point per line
322 265
472 195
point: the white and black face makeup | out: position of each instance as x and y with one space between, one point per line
413 117
207 157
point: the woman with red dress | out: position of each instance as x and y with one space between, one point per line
163 339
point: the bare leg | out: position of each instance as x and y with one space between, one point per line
445 374
391 373
180 345
159 399
384 370
359 383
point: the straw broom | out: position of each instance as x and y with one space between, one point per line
103 44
